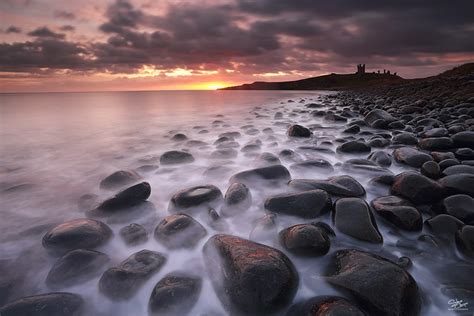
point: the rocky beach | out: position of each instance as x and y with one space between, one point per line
350 203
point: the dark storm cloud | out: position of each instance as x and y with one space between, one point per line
13 29
258 36
67 28
66 15
45 32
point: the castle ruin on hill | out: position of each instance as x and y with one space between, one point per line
361 70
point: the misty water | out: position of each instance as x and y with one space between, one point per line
57 147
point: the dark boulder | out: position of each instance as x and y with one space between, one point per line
352 216
379 285
119 179
417 188
124 281
399 212
237 199
316 165
443 226
354 147
411 156
381 158
272 175
378 118
431 170
249 278
460 183
133 234
435 143
75 267
298 131
305 240
179 231
338 186
325 306
50 304
405 139
354 129
307 204
175 294
265 228
75 234
195 199
460 206
465 240
458 169
175 157
124 199
463 139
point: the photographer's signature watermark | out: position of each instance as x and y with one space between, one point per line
457 305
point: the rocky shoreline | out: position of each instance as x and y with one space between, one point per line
425 129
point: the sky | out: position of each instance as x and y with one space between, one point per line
51 45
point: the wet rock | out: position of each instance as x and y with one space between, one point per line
124 281
133 234
179 137
325 306
338 186
379 285
226 153
436 143
352 216
381 158
179 231
305 240
464 154
458 169
460 206
465 240
417 188
431 170
175 294
354 129
195 199
50 304
365 167
446 163
439 156
175 157
411 157
461 183
378 142
399 212
464 139
272 175
444 225
75 234
435 132
298 131
307 204
237 199
312 165
267 159
147 168
354 147
265 228
405 139
75 267
249 278
378 118
124 199
119 179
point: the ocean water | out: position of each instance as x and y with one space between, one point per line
57 147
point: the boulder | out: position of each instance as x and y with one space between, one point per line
175 157
435 143
298 131
265 228
460 206
76 266
405 139
381 158
379 285
307 204
460 183
325 306
417 188
249 278
75 234
463 139
443 226
272 175
127 198
124 281
464 240
431 170
237 199
338 186
315 165
119 179
179 231
195 199
50 304
354 147
352 216
458 169
133 234
411 156
175 294
379 118
399 212
305 240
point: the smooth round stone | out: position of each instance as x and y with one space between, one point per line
127 198
405 139
354 147
460 183
179 231
307 204
417 188
464 139
267 159
399 212
338 186
436 143
316 165
75 267
460 206
133 234
378 142
430 169
298 131
446 163
458 169
265 228
439 156
444 225
379 118
352 216
325 306
119 179
272 175
381 158
237 199
196 198
175 157
175 294
465 240
76 234
50 304
354 129
179 137
435 132
305 240
411 157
